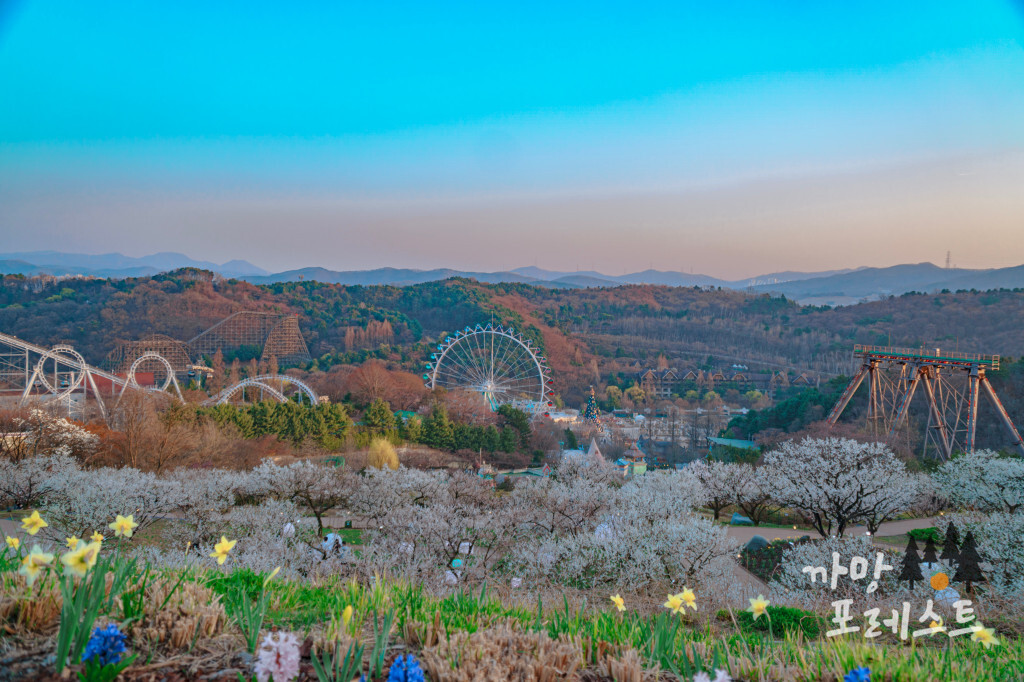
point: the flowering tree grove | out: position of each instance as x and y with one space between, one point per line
837 481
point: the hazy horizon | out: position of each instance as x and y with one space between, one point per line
725 141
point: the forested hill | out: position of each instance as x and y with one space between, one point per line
585 332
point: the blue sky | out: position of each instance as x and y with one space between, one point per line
422 134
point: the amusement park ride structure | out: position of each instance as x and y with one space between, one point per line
60 377
495 361
952 383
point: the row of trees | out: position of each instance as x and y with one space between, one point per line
831 483
437 430
834 483
327 424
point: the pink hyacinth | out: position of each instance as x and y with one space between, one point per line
278 657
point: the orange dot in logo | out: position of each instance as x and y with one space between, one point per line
939 581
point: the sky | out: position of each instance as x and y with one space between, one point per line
730 139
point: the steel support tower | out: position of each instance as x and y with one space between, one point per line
951 383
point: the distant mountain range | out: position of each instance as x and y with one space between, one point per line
114 264
831 287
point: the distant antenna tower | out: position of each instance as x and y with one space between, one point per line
949 258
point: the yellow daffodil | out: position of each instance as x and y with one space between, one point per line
73 542
937 625
759 606
346 615
82 559
674 603
33 524
123 525
96 537
619 602
986 636
689 598
32 564
271 576
221 549
13 543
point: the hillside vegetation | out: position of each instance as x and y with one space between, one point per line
585 333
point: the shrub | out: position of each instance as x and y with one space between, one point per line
923 534
382 454
782 619
766 562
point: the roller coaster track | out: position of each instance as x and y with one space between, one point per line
23 365
33 374
265 384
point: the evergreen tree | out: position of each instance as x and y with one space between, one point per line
508 439
412 429
570 440
910 569
969 570
437 429
929 552
951 545
379 418
490 438
518 420
466 437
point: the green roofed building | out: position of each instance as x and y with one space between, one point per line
740 449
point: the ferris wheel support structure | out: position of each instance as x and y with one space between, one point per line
497 362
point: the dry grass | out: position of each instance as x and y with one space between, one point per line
500 654
23 610
176 621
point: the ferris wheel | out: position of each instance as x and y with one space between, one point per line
496 362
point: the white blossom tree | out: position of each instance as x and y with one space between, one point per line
206 497
753 493
375 493
455 534
929 500
569 502
85 501
984 481
24 482
720 481
316 487
836 481
41 433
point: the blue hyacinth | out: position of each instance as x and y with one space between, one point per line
105 646
858 675
405 669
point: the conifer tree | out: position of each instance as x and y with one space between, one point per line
951 545
437 429
379 418
910 570
969 570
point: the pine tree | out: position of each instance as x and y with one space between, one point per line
969 570
379 418
951 545
929 552
508 439
437 429
910 570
